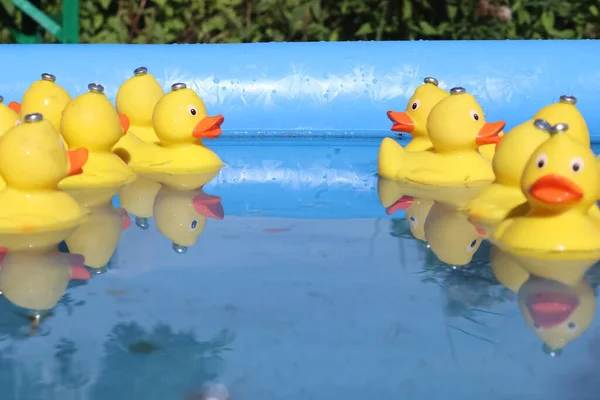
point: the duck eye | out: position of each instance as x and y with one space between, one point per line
577 164
193 225
541 160
413 221
472 246
192 110
474 115
572 326
415 104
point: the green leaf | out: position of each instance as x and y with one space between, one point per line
365 29
98 19
427 29
548 21
594 10
160 3
334 36
517 6
406 9
566 34
104 4
452 11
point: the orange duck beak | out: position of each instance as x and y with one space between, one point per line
402 121
124 122
16 107
208 127
77 159
489 133
555 189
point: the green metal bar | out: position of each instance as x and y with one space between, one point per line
68 33
70 21
38 16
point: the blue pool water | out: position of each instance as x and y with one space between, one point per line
305 290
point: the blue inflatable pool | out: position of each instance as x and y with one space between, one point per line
307 289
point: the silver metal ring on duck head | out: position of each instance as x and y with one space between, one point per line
178 86
179 249
554 353
543 125
96 87
142 222
567 99
431 80
35 117
561 127
48 77
458 90
140 71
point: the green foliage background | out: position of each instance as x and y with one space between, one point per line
218 21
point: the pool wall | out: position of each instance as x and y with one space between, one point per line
283 102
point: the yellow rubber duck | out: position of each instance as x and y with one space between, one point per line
456 127
8 117
561 182
138 199
504 197
555 312
181 215
565 112
97 238
180 122
414 119
90 121
452 238
46 97
136 99
33 213
38 280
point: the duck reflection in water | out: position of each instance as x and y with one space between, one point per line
557 310
36 281
434 217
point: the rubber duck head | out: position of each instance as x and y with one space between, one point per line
565 111
37 281
458 123
33 156
181 215
516 148
450 235
138 96
46 97
561 174
180 117
8 117
414 119
557 313
91 121
416 213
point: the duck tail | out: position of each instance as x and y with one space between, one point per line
391 158
127 146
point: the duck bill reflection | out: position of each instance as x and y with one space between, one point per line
549 309
402 121
401 204
208 206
